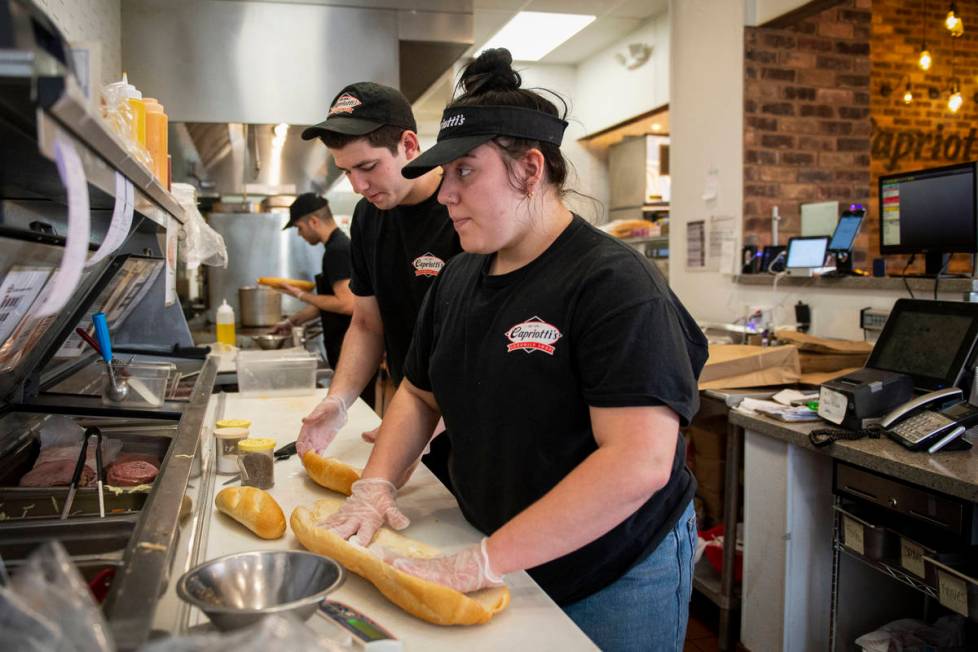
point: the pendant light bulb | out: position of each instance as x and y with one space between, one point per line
908 95
954 100
953 21
924 59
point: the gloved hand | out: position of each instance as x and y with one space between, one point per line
370 436
290 289
369 506
319 428
464 571
282 327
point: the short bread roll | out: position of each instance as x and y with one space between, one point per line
424 599
253 508
329 472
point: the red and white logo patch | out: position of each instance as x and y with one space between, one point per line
345 103
428 265
534 334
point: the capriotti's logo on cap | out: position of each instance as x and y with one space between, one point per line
456 120
345 103
428 265
534 334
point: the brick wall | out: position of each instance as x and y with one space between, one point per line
924 133
807 118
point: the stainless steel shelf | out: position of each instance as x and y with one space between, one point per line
898 574
102 155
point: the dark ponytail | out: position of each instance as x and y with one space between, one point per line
490 80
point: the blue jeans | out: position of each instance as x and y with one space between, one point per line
647 608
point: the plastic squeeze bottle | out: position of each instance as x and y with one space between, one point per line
225 324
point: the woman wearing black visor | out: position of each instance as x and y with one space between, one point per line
564 367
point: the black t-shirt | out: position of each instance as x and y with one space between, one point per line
396 255
515 360
336 267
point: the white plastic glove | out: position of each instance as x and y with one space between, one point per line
319 428
370 505
464 571
284 326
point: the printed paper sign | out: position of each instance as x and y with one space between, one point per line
912 557
832 405
19 289
852 532
952 592
121 220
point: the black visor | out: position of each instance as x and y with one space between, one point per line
464 128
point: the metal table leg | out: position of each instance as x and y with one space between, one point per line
731 497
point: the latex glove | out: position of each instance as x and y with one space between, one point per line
464 571
282 327
371 504
290 289
319 428
370 436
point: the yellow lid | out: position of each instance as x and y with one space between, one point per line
256 445
231 433
233 423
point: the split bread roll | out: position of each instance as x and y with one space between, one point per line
424 599
329 472
253 508
277 281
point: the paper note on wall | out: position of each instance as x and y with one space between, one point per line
696 245
721 242
121 220
20 288
66 279
819 218
711 185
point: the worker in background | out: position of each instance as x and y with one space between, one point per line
401 239
332 301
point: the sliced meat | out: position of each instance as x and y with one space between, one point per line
56 474
132 473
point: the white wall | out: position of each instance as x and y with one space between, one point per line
761 11
706 126
609 93
91 20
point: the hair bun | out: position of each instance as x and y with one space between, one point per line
491 71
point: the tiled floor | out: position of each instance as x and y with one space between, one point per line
699 637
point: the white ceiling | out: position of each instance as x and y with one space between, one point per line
615 19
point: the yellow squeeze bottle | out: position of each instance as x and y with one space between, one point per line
225 325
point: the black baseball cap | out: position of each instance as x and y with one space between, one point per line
304 204
363 107
464 128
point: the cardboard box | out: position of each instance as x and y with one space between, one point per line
741 365
812 344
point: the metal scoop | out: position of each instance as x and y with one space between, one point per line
117 389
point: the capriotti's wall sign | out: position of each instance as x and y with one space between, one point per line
896 147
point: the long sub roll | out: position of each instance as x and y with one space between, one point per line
426 600
277 281
329 472
253 508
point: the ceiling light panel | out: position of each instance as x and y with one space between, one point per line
530 35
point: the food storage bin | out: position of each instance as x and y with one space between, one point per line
147 382
226 442
276 373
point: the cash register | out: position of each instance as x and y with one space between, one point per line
916 379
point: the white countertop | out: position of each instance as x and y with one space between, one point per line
531 622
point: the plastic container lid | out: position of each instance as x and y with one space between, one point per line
233 423
126 89
225 313
233 433
256 445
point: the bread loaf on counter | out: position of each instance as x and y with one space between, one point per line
253 508
424 599
329 472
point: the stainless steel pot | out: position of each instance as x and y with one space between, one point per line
260 306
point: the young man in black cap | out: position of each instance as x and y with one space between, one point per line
401 239
333 302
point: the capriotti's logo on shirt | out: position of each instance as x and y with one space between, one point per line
428 265
534 334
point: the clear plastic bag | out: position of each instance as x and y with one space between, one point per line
204 245
47 606
272 633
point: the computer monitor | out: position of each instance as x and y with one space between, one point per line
930 211
806 252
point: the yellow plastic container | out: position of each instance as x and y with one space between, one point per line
157 138
225 325
233 423
257 445
139 120
256 462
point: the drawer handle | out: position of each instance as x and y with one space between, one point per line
864 494
930 520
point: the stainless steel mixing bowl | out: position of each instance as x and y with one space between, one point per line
269 341
240 589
